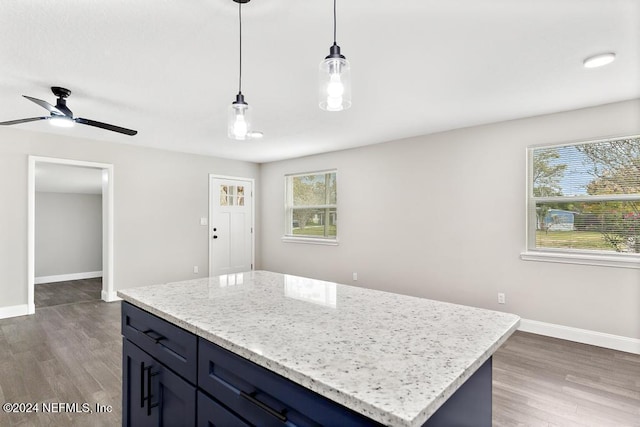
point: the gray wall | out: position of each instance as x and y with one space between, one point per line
68 233
159 199
443 217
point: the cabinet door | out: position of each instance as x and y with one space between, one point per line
152 394
212 414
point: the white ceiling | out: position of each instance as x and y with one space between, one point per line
57 178
168 68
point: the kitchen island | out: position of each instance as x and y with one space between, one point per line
300 351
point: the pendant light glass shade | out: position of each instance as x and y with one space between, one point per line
335 82
239 119
335 77
239 116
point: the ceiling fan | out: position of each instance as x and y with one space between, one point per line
61 115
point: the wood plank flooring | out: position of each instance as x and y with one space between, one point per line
68 353
542 381
48 294
72 353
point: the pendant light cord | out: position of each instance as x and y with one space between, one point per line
240 67
334 21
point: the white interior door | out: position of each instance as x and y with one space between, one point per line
230 225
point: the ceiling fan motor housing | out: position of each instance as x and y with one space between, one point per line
60 92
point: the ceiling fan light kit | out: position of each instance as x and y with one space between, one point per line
60 115
335 77
61 121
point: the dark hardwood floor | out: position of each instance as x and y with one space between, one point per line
72 353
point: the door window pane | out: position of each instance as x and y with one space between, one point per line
224 195
240 195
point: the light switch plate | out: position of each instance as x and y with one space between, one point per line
203 221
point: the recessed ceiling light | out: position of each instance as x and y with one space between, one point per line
599 60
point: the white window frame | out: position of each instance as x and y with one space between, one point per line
571 256
288 236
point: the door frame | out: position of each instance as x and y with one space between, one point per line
253 217
108 294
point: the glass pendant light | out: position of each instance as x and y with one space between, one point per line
335 78
239 119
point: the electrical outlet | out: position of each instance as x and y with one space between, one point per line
355 276
501 298
195 269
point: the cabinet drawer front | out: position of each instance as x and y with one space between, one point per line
171 345
263 397
212 414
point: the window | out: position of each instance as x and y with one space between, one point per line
584 202
231 195
311 207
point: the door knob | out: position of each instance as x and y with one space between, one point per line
215 237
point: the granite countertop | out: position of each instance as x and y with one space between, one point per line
394 358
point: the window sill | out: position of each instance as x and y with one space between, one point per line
621 261
310 240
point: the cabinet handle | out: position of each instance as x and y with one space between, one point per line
142 371
264 407
153 335
149 395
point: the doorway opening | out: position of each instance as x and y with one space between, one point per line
70 178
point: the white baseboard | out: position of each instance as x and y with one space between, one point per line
14 311
584 336
66 277
110 296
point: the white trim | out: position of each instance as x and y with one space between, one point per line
110 296
622 261
581 141
318 172
310 240
31 233
107 223
14 311
584 336
576 256
587 198
288 236
66 277
253 216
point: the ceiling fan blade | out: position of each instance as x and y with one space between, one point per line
106 126
32 119
45 105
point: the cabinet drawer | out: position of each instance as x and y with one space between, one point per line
263 397
212 414
171 345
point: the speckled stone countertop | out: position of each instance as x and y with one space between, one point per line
394 358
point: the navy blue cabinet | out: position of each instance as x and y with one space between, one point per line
213 414
173 378
172 346
152 394
264 398
158 371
